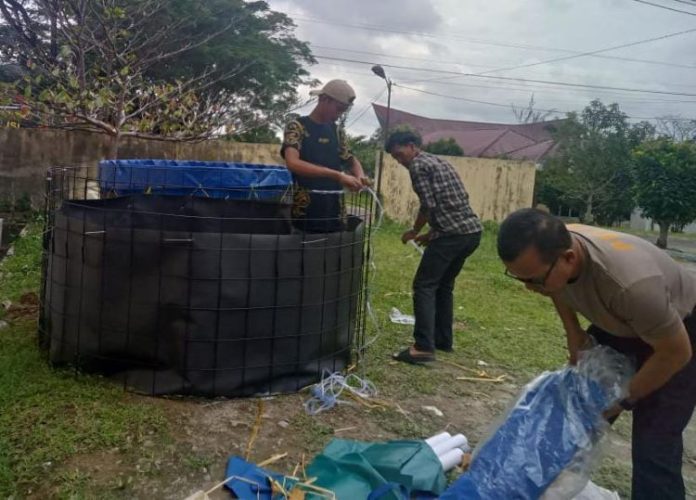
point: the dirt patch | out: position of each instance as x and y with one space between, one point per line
26 307
205 433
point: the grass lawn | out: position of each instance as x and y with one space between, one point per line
55 425
51 415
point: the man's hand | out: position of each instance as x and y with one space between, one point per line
576 337
349 182
424 239
409 235
612 413
366 181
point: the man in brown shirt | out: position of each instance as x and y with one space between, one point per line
640 302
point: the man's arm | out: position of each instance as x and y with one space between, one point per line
357 169
576 337
671 353
348 158
421 220
650 313
304 168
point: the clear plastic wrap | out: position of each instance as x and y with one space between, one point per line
547 443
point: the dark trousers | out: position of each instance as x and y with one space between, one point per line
432 289
658 421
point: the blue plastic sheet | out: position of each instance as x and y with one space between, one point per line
198 178
255 484
553 427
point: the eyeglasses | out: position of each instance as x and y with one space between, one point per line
340 107
534 281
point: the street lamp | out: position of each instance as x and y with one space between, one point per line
379 71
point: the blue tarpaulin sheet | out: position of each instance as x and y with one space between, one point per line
197 178
554 426
251 481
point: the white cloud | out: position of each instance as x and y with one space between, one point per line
477 35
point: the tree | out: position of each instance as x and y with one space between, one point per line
259 135
166 70
365 149
448 147
530 115
676 128
665 183
593 161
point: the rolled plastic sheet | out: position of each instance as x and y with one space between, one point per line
554 427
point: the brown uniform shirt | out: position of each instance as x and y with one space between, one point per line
629 287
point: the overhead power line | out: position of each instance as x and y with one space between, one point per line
392 56
686 2
466 99
372 27
593 52
500 105
366 108
513 79
473 65
665 7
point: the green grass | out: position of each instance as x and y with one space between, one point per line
496 319
615 476
49 415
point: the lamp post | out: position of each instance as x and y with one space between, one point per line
379 71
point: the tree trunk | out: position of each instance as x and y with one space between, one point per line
664 231
114 141
588 216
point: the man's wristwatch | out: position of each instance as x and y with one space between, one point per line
628 404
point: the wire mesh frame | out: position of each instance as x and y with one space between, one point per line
282 345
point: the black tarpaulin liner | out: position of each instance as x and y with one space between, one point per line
199 296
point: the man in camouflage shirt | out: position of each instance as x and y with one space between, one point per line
315 151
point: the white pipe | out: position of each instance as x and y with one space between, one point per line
451 459
456 441
438 438
417 246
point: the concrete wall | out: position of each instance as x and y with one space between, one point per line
25 154
495 187
644 224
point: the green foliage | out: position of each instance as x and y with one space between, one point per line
260 49
591 170
365 149
258 135
665 183
183 70
447 147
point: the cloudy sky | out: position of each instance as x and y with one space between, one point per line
426 45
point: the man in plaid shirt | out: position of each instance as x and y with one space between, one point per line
455 232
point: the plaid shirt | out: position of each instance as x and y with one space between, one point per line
443 199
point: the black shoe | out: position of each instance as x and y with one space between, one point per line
444 349
405 356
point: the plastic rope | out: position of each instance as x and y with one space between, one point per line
326 394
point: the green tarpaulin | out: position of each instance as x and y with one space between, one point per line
353 469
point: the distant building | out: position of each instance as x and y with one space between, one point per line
529 141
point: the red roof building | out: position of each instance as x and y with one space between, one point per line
528 141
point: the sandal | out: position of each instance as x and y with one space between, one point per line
405 356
